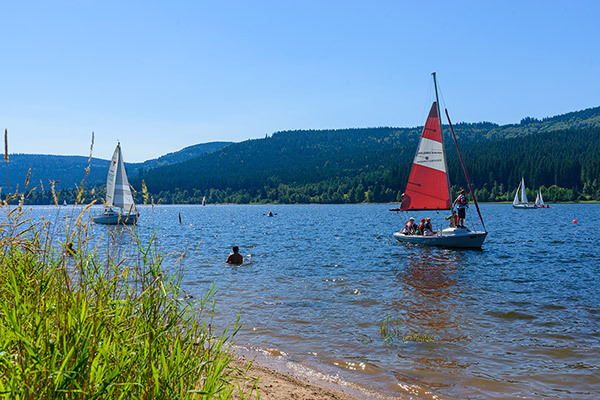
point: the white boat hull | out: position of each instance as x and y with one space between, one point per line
525 206
114 218
449 237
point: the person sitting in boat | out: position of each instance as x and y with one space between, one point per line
428 228
235 257
453 218
462 203
421 227
409 227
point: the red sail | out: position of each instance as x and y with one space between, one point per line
427 187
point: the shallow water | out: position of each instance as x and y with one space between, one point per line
518 319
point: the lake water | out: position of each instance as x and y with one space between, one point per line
518 319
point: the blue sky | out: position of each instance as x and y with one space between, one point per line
160 76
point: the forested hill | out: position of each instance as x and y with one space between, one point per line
68 171
372 164
559 154
588 118
293 157
65 171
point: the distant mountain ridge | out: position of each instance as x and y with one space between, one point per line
187 153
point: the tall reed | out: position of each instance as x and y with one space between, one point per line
72 327
6 158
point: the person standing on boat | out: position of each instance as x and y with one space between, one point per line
409 226
235 257
463 203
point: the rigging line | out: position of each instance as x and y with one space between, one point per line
441 94
426 105
464 169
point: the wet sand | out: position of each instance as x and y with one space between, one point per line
282 385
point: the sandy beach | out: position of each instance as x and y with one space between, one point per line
282 385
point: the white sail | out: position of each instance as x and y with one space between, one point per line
523 193
516 200
118 193
539 200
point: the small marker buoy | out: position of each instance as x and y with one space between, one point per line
574 221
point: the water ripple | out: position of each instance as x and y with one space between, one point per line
327 289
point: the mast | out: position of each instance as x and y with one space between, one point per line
465 169
437 102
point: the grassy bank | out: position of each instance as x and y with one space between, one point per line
72 326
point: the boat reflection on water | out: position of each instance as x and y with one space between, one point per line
428 298
431 319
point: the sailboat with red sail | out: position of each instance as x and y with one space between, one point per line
428 187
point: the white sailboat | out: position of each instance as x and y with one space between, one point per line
203 200
118 195
539 200
428 187
520 200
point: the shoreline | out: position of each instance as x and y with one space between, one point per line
275 380
275 385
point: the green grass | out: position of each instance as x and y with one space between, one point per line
392 331
75 327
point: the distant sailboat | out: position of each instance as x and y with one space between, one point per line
522 202
203 200
428 187
539 200
118 195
